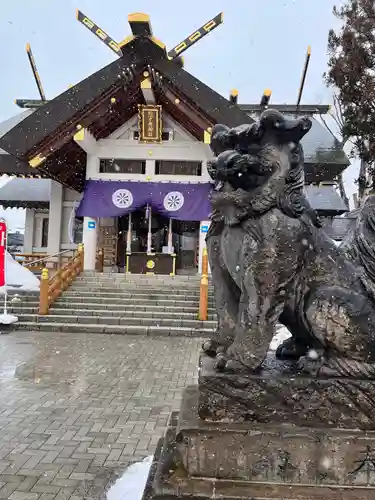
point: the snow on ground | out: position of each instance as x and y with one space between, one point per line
18 277
282 334
131 484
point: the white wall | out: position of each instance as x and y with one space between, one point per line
39 215
55 218
28 241
62 203
121 145
71 201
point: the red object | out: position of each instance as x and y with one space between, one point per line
3 246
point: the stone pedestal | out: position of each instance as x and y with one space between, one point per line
272 449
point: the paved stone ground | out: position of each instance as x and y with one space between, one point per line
76 410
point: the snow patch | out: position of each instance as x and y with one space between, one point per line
281 335
18 277
131 485
7 319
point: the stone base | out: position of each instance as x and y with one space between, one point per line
200 460
279 393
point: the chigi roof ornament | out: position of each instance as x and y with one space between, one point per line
141 27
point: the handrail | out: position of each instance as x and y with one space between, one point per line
51 289
203 291
34 262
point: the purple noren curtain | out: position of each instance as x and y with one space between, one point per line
172 199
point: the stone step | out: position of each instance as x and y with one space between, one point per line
153 331
157 277
193 315
113 309
12 292
71 292
126 286
118 320
161 301
144 282
111 283
115 296
141 278
134 289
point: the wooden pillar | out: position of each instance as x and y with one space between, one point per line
129 235
149 233
81 257
203 295
170 241
44 293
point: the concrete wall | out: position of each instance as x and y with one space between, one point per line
62 203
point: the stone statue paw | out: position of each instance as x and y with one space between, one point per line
210 348
221 362
228 360
290 349
310 364
235 366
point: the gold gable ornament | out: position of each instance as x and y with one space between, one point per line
150 123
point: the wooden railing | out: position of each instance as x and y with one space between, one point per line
51 288
203 292
36 262
25 259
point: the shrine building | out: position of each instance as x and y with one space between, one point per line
119 160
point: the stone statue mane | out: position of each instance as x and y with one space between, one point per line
262 428
271 261
262 170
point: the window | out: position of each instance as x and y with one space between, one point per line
78 231
45 225
165 136
119 166
167 167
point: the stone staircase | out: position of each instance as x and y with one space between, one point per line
119 304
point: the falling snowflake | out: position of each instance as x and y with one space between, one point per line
173 201
122 198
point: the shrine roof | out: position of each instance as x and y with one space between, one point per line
338 227
325 199
324 158
26 193
48 131
79 104
11 122
9 164
42 141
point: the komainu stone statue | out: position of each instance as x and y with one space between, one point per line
256 427
271 261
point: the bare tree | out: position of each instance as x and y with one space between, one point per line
351 71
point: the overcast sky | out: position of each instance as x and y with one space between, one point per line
262 44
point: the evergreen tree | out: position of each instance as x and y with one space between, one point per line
351 71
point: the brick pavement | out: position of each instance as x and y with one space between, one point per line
76 409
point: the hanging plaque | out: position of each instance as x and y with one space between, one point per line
150 124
